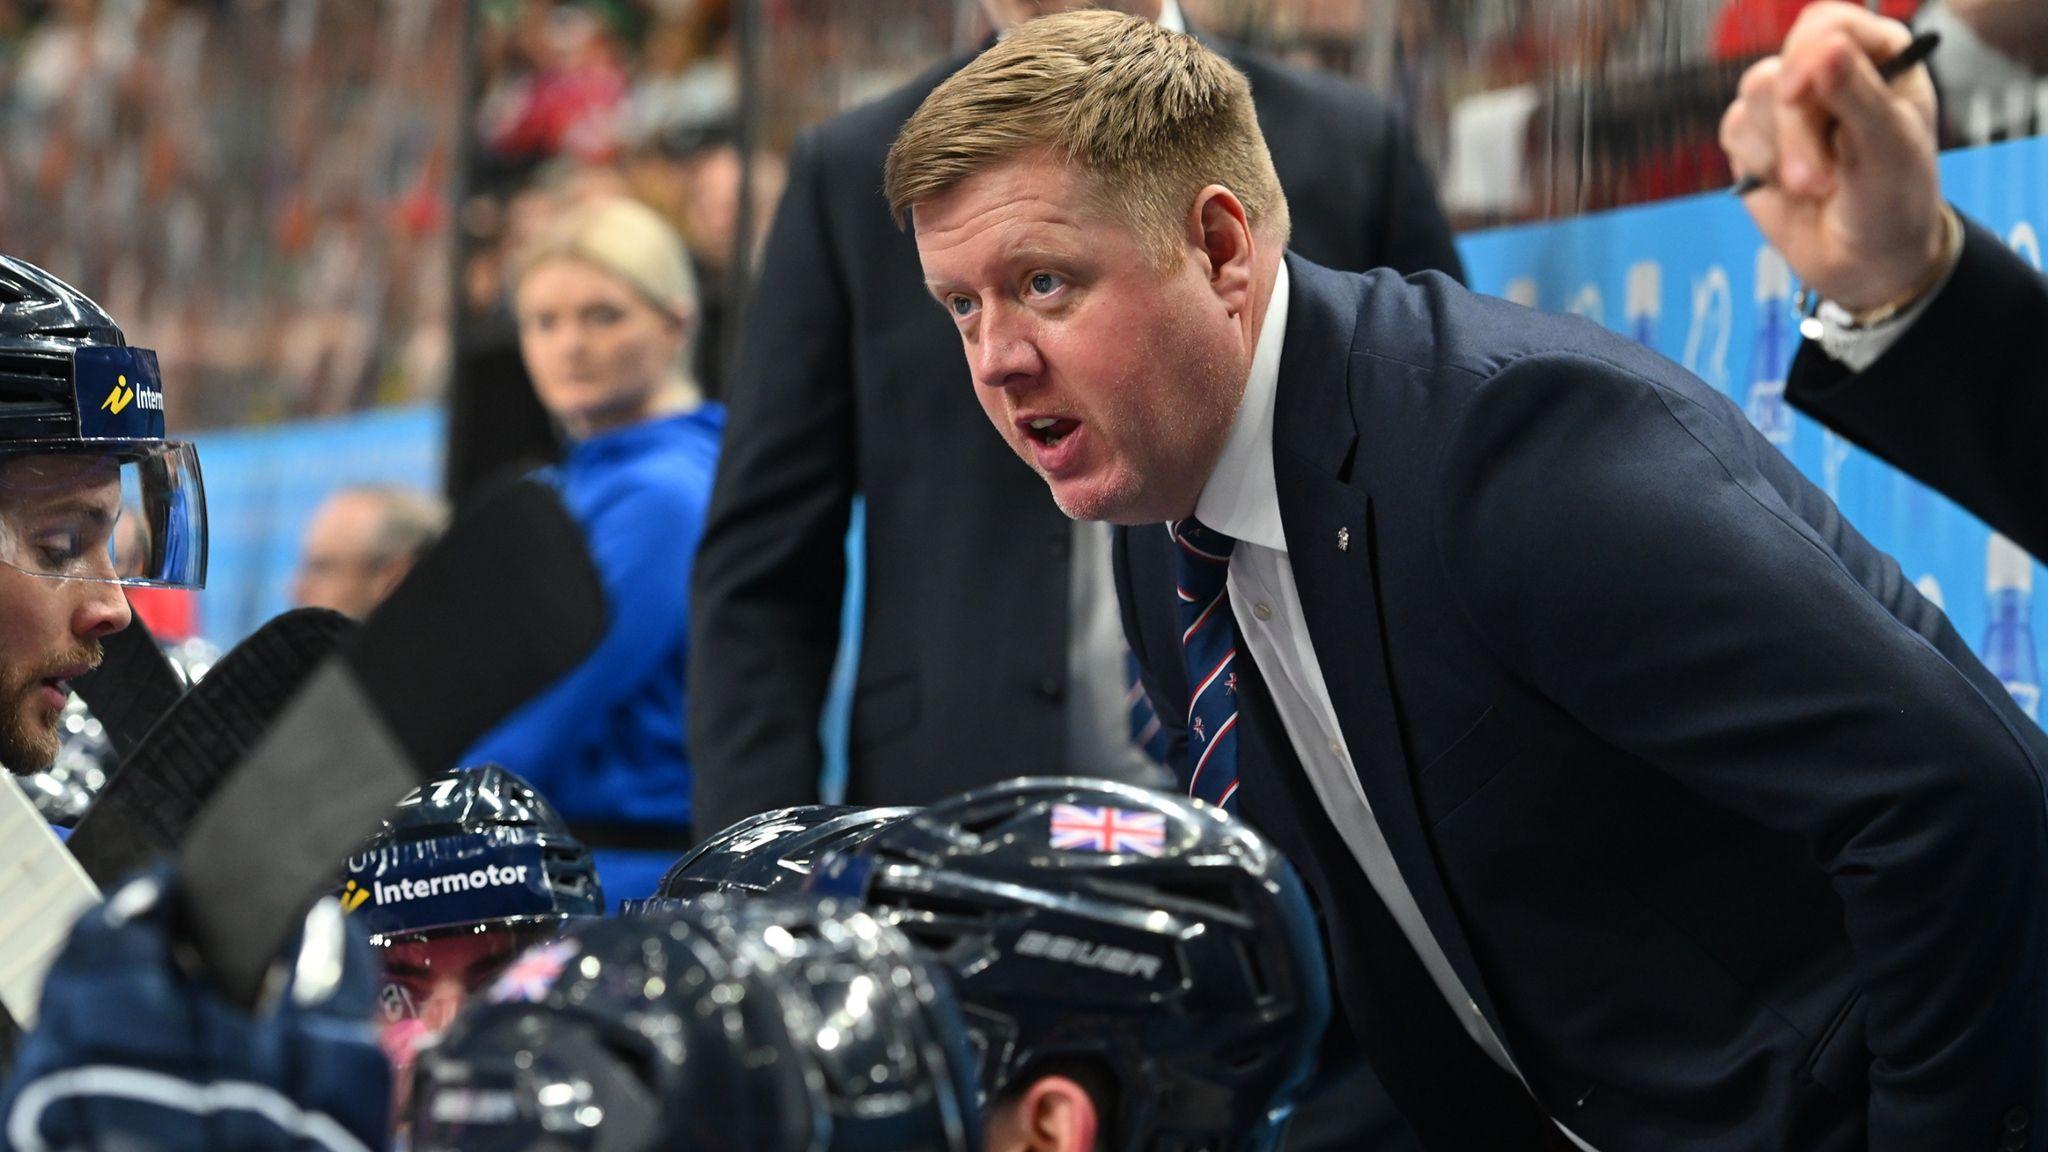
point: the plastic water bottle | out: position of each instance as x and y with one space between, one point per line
1767 408
1981 124
1645 301
1834 453
1931 589
1589 303
2025 243
1713 326
2008 647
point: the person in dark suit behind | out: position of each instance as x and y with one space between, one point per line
991 646
1622 766
1929 351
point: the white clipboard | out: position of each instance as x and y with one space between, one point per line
43 891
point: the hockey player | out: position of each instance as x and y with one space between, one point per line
1139 970
750 1024
470 869
136 1051
92 497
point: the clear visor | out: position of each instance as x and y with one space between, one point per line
126 513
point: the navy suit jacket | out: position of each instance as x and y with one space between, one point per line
1731 839
1961 401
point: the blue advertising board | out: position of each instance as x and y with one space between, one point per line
1694 280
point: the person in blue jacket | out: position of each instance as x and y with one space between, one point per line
606 301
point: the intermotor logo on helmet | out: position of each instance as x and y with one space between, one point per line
122 394
428 887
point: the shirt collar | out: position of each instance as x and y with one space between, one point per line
1241 499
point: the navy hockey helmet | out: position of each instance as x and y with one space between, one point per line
475 845
90 488
769 852
763 1025
468 869
1140 935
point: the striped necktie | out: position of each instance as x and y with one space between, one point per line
1208 643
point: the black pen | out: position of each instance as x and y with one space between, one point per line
1915 54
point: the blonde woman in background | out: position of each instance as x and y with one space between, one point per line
607 303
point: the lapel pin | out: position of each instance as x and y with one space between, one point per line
1343 539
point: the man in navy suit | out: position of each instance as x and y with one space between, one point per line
1641 796
982 658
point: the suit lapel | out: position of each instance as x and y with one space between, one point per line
1331 546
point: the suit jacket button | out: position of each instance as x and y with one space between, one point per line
2013 1142
2016 1120
1051 688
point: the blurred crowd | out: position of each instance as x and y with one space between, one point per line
271 188
262 187
575 101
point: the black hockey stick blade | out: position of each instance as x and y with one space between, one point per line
133 687
10 1043
148 805
506 604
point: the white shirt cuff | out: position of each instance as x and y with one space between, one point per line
1858 347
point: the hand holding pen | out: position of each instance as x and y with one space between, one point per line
1837 136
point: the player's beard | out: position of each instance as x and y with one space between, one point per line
28 727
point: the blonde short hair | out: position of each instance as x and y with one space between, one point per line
625 238
1150 115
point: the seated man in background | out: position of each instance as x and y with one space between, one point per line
361 542
1140 972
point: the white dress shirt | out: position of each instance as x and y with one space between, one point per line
1242 500
1097 702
